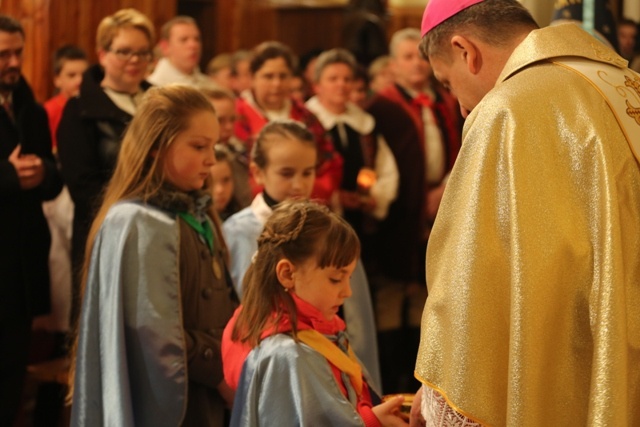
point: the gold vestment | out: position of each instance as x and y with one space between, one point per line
533 264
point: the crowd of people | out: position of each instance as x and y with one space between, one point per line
247 245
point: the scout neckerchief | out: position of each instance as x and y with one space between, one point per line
202 228
345 362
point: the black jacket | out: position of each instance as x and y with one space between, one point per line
24 234
89 138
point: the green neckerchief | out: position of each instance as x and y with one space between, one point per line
202 228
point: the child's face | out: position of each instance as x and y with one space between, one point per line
324 288
188 159
290 169
223 78
70 76
296 88
241 81
222 186
226 112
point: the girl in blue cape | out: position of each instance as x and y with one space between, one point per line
286 349
156 290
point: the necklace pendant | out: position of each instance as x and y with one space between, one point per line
217 269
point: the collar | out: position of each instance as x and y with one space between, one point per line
260 209
174 200
355 117
166 73
127 102
93 100
558 41
285 112
308 317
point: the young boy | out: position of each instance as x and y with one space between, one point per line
69 63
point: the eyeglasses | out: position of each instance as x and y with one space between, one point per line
128 54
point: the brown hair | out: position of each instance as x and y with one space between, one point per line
237 57
297 231
124 18
165 31
333 56
272 50
495 22
8 24
163 114
66 53
279 129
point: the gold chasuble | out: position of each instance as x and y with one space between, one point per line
533 265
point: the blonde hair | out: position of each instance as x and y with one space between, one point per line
378 65
163 114
219 62
124 18
297 231
218 94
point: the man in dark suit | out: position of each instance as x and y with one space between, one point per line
28 176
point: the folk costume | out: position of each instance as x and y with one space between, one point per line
353 136
155 305
316 381
251 120
241 233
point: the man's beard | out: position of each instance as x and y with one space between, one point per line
9 80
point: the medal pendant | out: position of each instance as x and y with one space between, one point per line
217 269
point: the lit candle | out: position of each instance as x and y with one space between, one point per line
366 179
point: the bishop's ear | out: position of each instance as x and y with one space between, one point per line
467 51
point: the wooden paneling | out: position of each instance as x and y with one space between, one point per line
404 17
301 27
49 24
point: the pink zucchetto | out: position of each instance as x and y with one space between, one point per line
438 11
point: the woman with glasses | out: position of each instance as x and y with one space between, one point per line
93 123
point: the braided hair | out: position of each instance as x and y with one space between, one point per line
297 231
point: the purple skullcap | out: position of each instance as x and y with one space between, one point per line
438 11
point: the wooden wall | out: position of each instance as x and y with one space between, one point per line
226 25
49 24
301 27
